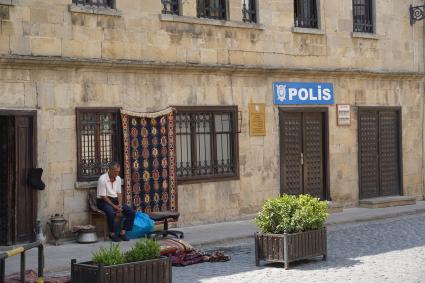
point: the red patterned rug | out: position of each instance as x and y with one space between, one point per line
150 160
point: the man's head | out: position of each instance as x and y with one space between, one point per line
114 170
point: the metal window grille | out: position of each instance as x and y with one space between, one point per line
213 9
95 3
249 11
362 16
170 7
98 142
205 144
306 13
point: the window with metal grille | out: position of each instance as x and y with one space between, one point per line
363 16
170 7
249 11
96 3
306 13
213 9
99 141
206 143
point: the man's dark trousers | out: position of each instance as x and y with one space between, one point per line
127 212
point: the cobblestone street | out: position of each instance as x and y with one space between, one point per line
390 250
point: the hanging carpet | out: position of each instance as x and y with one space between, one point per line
150 160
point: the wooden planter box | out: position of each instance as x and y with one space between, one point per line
287 248
147 271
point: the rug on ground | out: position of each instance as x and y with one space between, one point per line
183 254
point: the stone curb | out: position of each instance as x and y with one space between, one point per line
365 218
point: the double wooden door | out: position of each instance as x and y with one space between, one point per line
379 152
18 201
303 152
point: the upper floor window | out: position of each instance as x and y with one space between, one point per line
249 11
306 13
363 16
213 9
206 142
96 3
171 7
98 141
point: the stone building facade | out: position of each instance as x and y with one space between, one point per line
59 56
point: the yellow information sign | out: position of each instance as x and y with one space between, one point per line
257 119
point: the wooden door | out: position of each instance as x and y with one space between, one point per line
369 153
291 172
6 179
379 153
302 151
25 195
313 149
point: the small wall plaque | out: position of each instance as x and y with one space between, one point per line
343 113
257 119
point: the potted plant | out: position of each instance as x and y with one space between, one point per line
292 228
140 264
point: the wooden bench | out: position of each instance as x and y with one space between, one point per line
97 217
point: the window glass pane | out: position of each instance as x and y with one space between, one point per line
184 156
105 141
223 137
88 138
99 142
98 3
305 13
203 143
362 16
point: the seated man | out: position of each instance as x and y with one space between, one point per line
109 200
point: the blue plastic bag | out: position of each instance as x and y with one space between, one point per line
142 225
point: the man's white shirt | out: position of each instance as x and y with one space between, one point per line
106 188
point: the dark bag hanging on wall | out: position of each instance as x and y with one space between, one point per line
34 178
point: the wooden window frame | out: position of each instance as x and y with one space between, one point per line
116 149
213 145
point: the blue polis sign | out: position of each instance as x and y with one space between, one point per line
286 93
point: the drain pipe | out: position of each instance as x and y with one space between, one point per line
423 141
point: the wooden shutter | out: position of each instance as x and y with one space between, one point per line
25 194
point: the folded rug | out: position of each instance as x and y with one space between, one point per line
183 254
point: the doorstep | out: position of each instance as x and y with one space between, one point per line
382 202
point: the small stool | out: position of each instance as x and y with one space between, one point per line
164 216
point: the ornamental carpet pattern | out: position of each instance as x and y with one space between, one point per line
150 160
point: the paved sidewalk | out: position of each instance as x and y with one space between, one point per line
58 258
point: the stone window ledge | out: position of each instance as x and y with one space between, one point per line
365 35
90 184
308 30
211 22
86 185
94 10
8 2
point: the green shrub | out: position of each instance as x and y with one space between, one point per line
108 256
292 214
144 249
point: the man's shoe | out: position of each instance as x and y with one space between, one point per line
124 238
115 238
